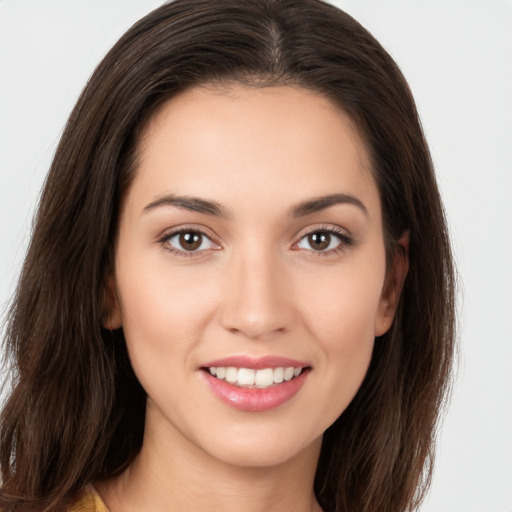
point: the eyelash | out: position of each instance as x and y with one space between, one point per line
345 241
164 241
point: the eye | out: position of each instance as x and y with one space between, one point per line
324 241
188 241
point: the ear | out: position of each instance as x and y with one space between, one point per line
393 286
112 318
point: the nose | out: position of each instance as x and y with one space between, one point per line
257 302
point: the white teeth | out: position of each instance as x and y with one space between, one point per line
288 373
278 375
231 374
264 377
247 377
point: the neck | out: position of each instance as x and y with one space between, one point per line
173 474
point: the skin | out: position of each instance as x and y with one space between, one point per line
258 288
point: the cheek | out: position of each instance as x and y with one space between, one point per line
163 312
340 313
344 331
343 307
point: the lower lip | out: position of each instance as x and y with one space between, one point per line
255 399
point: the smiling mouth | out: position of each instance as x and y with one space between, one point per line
257 379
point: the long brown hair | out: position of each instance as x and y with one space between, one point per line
76 410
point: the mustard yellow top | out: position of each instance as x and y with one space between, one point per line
88 501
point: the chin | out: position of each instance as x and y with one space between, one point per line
251 449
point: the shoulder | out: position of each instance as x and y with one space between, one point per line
88 501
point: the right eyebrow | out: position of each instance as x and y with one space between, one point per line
205 206
194 204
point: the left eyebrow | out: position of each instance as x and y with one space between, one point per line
321 203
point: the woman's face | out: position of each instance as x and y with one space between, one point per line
250 242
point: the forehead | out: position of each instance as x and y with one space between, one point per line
275 143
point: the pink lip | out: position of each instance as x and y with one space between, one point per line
256 363
255 399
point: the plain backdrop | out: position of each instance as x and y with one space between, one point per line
457 57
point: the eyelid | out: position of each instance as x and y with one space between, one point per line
346 239
169 233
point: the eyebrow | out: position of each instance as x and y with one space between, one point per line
193 204
321 203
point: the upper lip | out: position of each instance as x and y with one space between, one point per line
255 363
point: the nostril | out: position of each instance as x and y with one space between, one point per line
256 331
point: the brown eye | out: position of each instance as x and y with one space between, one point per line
323 241
319 240
190 241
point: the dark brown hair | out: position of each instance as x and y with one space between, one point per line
76 410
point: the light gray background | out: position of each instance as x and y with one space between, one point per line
457 56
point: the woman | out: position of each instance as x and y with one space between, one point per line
239 290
